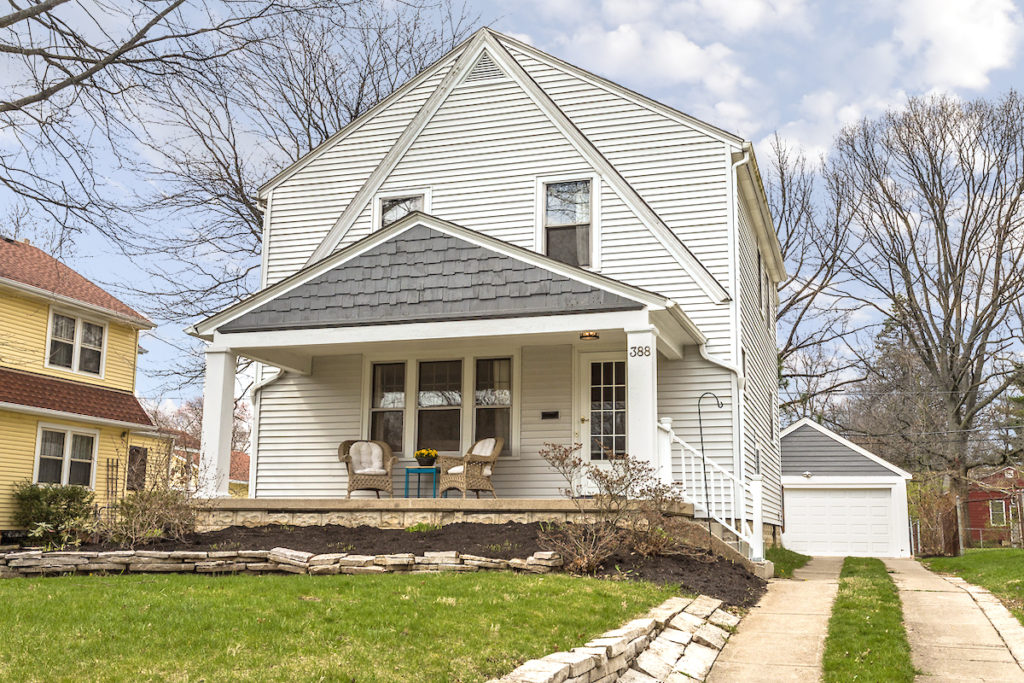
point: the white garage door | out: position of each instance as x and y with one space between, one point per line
839 522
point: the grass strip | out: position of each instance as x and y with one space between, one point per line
866 638
1000 570
785 561
415 627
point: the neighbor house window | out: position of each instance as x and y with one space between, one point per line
393 209
439 406
997 512
65 457
567 222
493 398
387 410
76 344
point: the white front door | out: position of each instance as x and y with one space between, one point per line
602 425
839 522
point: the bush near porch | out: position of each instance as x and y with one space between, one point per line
1000 570
442 627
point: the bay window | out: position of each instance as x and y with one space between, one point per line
65 456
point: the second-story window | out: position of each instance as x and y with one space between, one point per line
394 209
567 221
75 344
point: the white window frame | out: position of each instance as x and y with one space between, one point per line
76 345
540 206
468 354
377 212
65 470
1002 504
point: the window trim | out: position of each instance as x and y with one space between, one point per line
1002 504
377 212
65 470
540 206
76 345
468 354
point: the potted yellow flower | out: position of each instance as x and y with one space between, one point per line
425 456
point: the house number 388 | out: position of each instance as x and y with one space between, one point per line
635 351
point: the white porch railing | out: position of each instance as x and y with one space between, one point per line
714 492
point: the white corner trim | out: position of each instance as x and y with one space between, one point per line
808 422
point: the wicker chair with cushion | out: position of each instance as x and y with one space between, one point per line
472 472
369 465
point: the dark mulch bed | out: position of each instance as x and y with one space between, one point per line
695 572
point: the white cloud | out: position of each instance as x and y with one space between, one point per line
649 55
956 43
746 15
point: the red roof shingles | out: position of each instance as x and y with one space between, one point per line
37 391
239 467
29 265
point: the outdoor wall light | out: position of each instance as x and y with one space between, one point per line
589 336
807 475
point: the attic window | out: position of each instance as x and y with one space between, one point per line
484 70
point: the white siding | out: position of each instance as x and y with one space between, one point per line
302 421
760 416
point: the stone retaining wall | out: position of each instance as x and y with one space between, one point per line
676 642
278 560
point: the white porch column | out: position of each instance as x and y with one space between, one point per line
642 395
218 410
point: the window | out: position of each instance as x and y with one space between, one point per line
439 406
997 512
393 209
387 410
76 344
493 399
567 222
135 479
65 457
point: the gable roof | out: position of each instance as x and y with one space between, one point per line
31 269
484 42
806 445
423 275
513 261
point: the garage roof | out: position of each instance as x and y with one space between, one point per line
809 447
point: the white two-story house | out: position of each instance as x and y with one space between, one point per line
511 246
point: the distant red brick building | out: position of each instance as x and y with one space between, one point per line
995 506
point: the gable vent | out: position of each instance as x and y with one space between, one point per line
484 70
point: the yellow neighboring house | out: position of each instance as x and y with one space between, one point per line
68 411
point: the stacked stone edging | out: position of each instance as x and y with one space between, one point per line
278 560
676 642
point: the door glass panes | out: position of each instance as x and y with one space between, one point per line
607 409
62 341
51 457
493 398
439 406
387 410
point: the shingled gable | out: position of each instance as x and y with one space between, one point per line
425 275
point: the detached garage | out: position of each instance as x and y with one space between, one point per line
839 499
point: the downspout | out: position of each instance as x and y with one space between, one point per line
740 457
254 435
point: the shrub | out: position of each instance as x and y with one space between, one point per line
58 516
145 516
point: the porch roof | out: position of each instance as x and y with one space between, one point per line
426 270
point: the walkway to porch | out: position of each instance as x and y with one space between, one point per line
390 513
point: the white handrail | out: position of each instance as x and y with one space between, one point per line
715 492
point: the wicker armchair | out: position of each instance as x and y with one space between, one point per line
472 472
369 465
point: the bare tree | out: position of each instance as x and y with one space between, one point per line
77 72
813 320
937 245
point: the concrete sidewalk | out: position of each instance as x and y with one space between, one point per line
783 637
950 637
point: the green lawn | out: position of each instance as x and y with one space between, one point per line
866 639
785 561
1001 570
423 627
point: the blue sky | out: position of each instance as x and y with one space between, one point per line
750 66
